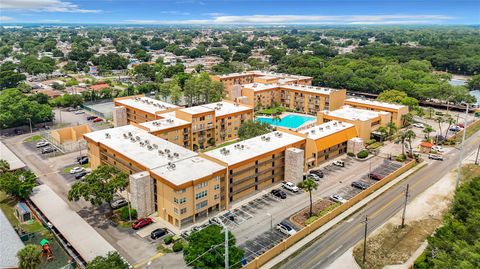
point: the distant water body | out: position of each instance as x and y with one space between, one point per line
461 82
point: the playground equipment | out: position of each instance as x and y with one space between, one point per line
46 250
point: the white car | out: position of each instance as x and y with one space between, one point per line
339 163
418 125
78 112
437 148
435 157
285 229
76 169
42 144
314 177
290 186
337 198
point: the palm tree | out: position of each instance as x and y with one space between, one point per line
427 130
277 118
29 257
383 132
392 128
409 135
439 120
309 185
407 119
430 112
450 121
403 137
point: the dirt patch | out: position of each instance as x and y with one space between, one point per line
395 245
318 209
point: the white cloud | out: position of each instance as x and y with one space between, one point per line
6 18
217 18
44 5
214 14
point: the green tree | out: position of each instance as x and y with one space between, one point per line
474 83
409 136
450 121
201 89
164 90
16 109
4 166
251 128
391 128
145 70
206 249
427 130
175 94
100 186
112 260
407 119
10 79
18 183
440 120
308 185
29 257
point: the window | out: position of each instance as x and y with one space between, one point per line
183 210
201 205
216 186
216 179
201 195
175 210
202 185
216 196
179 200
181 191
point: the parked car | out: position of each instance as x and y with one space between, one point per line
215 220
157 233
91 117
317 172
76 169
337 198
437 148
339 163
186 234
455 129
83 160
461 125
285 228
80 175
42 144
290 186
48 150
118 203
418 125
18 131
230 216
81 157
98 120
375 176
312 176
435 157
140 223
359 185
78 112
279 193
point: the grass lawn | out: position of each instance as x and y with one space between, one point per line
66 170
33 138
7 204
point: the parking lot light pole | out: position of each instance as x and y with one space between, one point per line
271 220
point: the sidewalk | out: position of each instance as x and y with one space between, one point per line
311 237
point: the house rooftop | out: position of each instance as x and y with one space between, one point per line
146 104
186 170
350 113
139 145
325 129
253 147
226 108
374 103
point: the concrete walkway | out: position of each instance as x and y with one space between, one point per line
311 237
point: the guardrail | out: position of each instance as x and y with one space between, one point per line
288 242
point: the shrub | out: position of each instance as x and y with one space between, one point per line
123 212
370 141
375 145
311 220
351 154
168 239
362 154
177 246
401 158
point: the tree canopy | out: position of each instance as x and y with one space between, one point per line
18 183
112 260
252 128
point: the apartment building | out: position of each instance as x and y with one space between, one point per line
233 81
325 141
165 178
396 111
258 163
365 121
301 98
203 125
138 109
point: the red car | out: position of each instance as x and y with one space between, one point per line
140 223
375 176
98 120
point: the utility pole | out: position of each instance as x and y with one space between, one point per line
405 206
365 241
459 167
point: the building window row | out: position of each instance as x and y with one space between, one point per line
202 185
201 205
201 195
180 200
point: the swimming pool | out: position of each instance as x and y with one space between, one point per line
289 121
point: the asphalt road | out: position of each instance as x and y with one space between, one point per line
348 233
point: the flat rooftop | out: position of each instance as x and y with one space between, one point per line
186 170
139 145
260 86
375 103
250 148
350 113
226 108
83 238
196 110
147 104
168 121
11 243
308 88
12 159
264 73
325 129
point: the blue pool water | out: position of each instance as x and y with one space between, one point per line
289 121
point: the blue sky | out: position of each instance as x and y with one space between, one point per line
241 11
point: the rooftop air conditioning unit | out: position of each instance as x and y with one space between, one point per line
142 144
130 134
267 139
167 151
132 139
155 146
147 141
149 147
176 155
107 135
160 152
125 136
137 138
